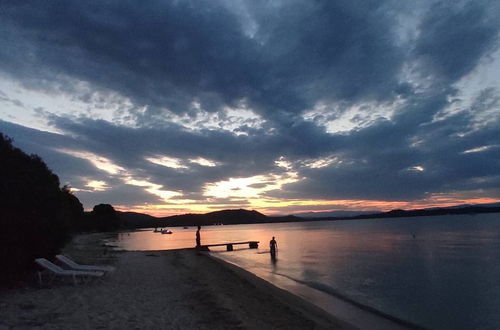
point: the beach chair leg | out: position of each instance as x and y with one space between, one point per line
39 277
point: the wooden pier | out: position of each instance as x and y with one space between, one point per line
229 246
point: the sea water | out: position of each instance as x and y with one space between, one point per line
440 272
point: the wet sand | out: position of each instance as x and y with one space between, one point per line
179 289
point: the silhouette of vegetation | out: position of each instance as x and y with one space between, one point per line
104 218
133 220
36 216
71 211
33 210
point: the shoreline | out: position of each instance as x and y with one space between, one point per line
203 291
285 297
348 311
177 289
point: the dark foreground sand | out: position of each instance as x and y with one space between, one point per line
153 290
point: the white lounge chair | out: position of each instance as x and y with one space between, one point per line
55 270
73 265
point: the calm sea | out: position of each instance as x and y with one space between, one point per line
438 272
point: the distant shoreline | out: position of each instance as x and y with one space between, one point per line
132 220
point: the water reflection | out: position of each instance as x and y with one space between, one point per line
440 272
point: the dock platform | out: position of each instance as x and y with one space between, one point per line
229 246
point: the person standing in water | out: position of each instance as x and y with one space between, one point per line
198 238
273 247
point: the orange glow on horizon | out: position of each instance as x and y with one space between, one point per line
285 207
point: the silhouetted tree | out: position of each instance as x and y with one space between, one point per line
31 220
72 211
105 218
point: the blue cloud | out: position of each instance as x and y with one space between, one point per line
278 60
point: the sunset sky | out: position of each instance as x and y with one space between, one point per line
168 107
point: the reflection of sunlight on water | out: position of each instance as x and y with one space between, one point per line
409 268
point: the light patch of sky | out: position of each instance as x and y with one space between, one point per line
166 161
485 76
179 163
284 163
311 163
203 162
99 162
97 185
109 167
153 188
416 168
480 149
31 108
249 187
233 120
19 105
92 186
323 162
340 118
123 174
169 197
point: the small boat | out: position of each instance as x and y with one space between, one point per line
185 227
166 231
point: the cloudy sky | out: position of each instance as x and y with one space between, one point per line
167 107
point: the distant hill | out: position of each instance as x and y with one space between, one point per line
233 217
226 217
456 209
453 210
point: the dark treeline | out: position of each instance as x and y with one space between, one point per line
37 216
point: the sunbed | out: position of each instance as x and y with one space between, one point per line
73 265
55 270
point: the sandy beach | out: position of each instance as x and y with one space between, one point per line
179 289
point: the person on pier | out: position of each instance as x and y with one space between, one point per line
198 238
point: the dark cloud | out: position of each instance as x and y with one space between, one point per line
278 60
169 54
384 160
455 36
161 54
